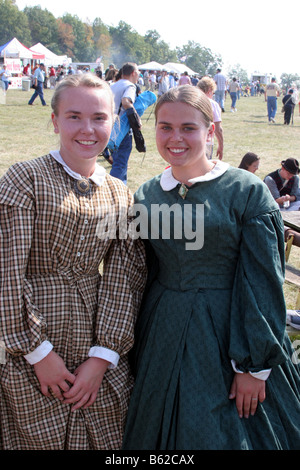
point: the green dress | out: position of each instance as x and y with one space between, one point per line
204 309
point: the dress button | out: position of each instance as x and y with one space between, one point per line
78 253
82 237
86 221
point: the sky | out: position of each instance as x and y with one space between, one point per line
259 36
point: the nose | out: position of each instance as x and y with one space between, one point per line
86 126
176 135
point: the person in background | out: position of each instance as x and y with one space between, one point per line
125 92
284 184
272 91
38 80
233 90
250 162
67 330
52 76
221 82
5 75
184 79
212 361
208 86
288 106
163 83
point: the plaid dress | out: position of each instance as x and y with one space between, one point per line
51 290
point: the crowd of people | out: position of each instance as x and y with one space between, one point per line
179 341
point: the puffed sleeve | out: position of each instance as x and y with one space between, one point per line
121 289
258 305
22 329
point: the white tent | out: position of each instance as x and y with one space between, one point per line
50 57
151 66
15 49
178 68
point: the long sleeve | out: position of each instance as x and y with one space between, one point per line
120 294
21 326
258 306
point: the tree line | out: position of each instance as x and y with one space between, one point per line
85 41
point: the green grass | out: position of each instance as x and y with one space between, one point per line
27 132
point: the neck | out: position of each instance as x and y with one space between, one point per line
184 175
85 168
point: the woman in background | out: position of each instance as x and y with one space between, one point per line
250 162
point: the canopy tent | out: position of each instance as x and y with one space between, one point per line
14 49
150 66
178 68
50 57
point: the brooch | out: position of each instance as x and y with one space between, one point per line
183 190
82 187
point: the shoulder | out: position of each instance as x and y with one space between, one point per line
253 193
22 171
119 191
216 111
148 190
18 185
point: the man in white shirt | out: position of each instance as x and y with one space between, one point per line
124 91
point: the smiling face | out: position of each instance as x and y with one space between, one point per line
84 122
181 135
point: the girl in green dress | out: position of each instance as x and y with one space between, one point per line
214 368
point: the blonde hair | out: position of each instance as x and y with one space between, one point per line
207 84
74 81
190 95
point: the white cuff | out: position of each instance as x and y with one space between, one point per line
39 353
261 375
106 354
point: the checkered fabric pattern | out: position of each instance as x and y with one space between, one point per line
51 289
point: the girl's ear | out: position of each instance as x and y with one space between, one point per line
54 121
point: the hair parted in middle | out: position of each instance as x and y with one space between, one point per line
191 96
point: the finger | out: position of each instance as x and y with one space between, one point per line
45 390
70 377
232 393
91 400
64 386
247 406
81 402
262 396
253 406
73 391
55 391
239 403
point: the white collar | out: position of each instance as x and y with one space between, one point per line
168 182
97 177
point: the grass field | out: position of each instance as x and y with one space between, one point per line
27 132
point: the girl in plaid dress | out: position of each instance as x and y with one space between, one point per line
66 330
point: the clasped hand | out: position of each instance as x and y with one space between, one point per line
80 388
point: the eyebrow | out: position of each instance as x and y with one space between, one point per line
100 113
183 124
